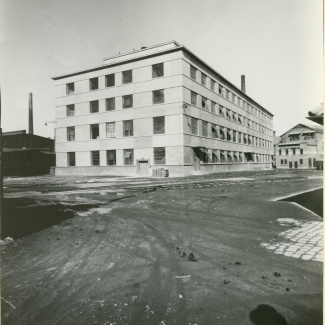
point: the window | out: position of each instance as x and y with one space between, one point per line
194 122
229 135
158 70
128 128
94 106
159 125
233 98
221 111
71 159
110 80
301 161
70 88
248 123
93 83
215 157
128 156
228 114
127 77
222 134
70 110
234 116
193 72
220 90
127 101
227 94
285 161
293 151
287 151
234 136
280 152
240 121
214 131
110 104
111 157
213 107
70 133
203 79
204 128
239 137
213 85
95 158
193 98
158 96
281 162
159 155
110 130
94 131
301 151
204 103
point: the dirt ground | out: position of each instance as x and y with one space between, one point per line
101 250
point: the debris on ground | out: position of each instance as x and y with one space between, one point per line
192 258
287 289
182 276
277 274
263 277
226 281
183 254
237 263
7 242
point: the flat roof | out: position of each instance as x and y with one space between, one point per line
152 51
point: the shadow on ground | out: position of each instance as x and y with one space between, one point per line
23 217
266 315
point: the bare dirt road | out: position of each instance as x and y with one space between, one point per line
109 251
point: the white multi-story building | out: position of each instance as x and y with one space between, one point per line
160 106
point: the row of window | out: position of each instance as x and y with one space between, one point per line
127 77
226 93
304 136
222 133
294 151
158 128
159 154
285 161
158 97
228 114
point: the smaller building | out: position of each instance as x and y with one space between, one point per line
27 154
300 147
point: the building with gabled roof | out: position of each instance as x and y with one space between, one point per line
300 147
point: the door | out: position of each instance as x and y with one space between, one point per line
144 168
309 162
296 164
196 158
290 164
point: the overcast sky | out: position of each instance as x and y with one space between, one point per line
277 44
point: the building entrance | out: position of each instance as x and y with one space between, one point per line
143 168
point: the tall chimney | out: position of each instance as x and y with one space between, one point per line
30 117
243 84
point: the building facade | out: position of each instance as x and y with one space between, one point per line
300 147
159 107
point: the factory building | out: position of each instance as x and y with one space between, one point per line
157 107
301 147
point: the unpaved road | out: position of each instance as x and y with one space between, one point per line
114 260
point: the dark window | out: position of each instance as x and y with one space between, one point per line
94 106
240 121
127 76
287 151
228 135
215 157
234 135
221 111
233 100
204 128
110 80
128 128
95 158
158 70
70 88
301 151
70 110
127 101
301 161
194 122
111 157
213 107
93 83
285 161
94 131
193 98
159 155
128 156
203 79
281 161
228 114
204 103
159 125
71 159
110 130
227 94
239 137
193 72
158 96
214 131
220 90
70 133
110 104
293 151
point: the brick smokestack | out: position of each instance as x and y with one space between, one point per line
30 115
243 84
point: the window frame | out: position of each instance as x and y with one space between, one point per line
156 160
107 85
161 95
110 134
93 86
68 90
193 95
131 133
194 126
204 128
71 156
130 160
92 129
153 70
124 98
93 157
126 76
154 123
71 133
91 106
107 101
107 158
193 70
70 108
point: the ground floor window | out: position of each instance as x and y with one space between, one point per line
128 156
159 155
71 159
111 157
301 161
95 158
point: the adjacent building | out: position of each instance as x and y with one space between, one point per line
300 147
157 107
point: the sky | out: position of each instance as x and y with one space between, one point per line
276 44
